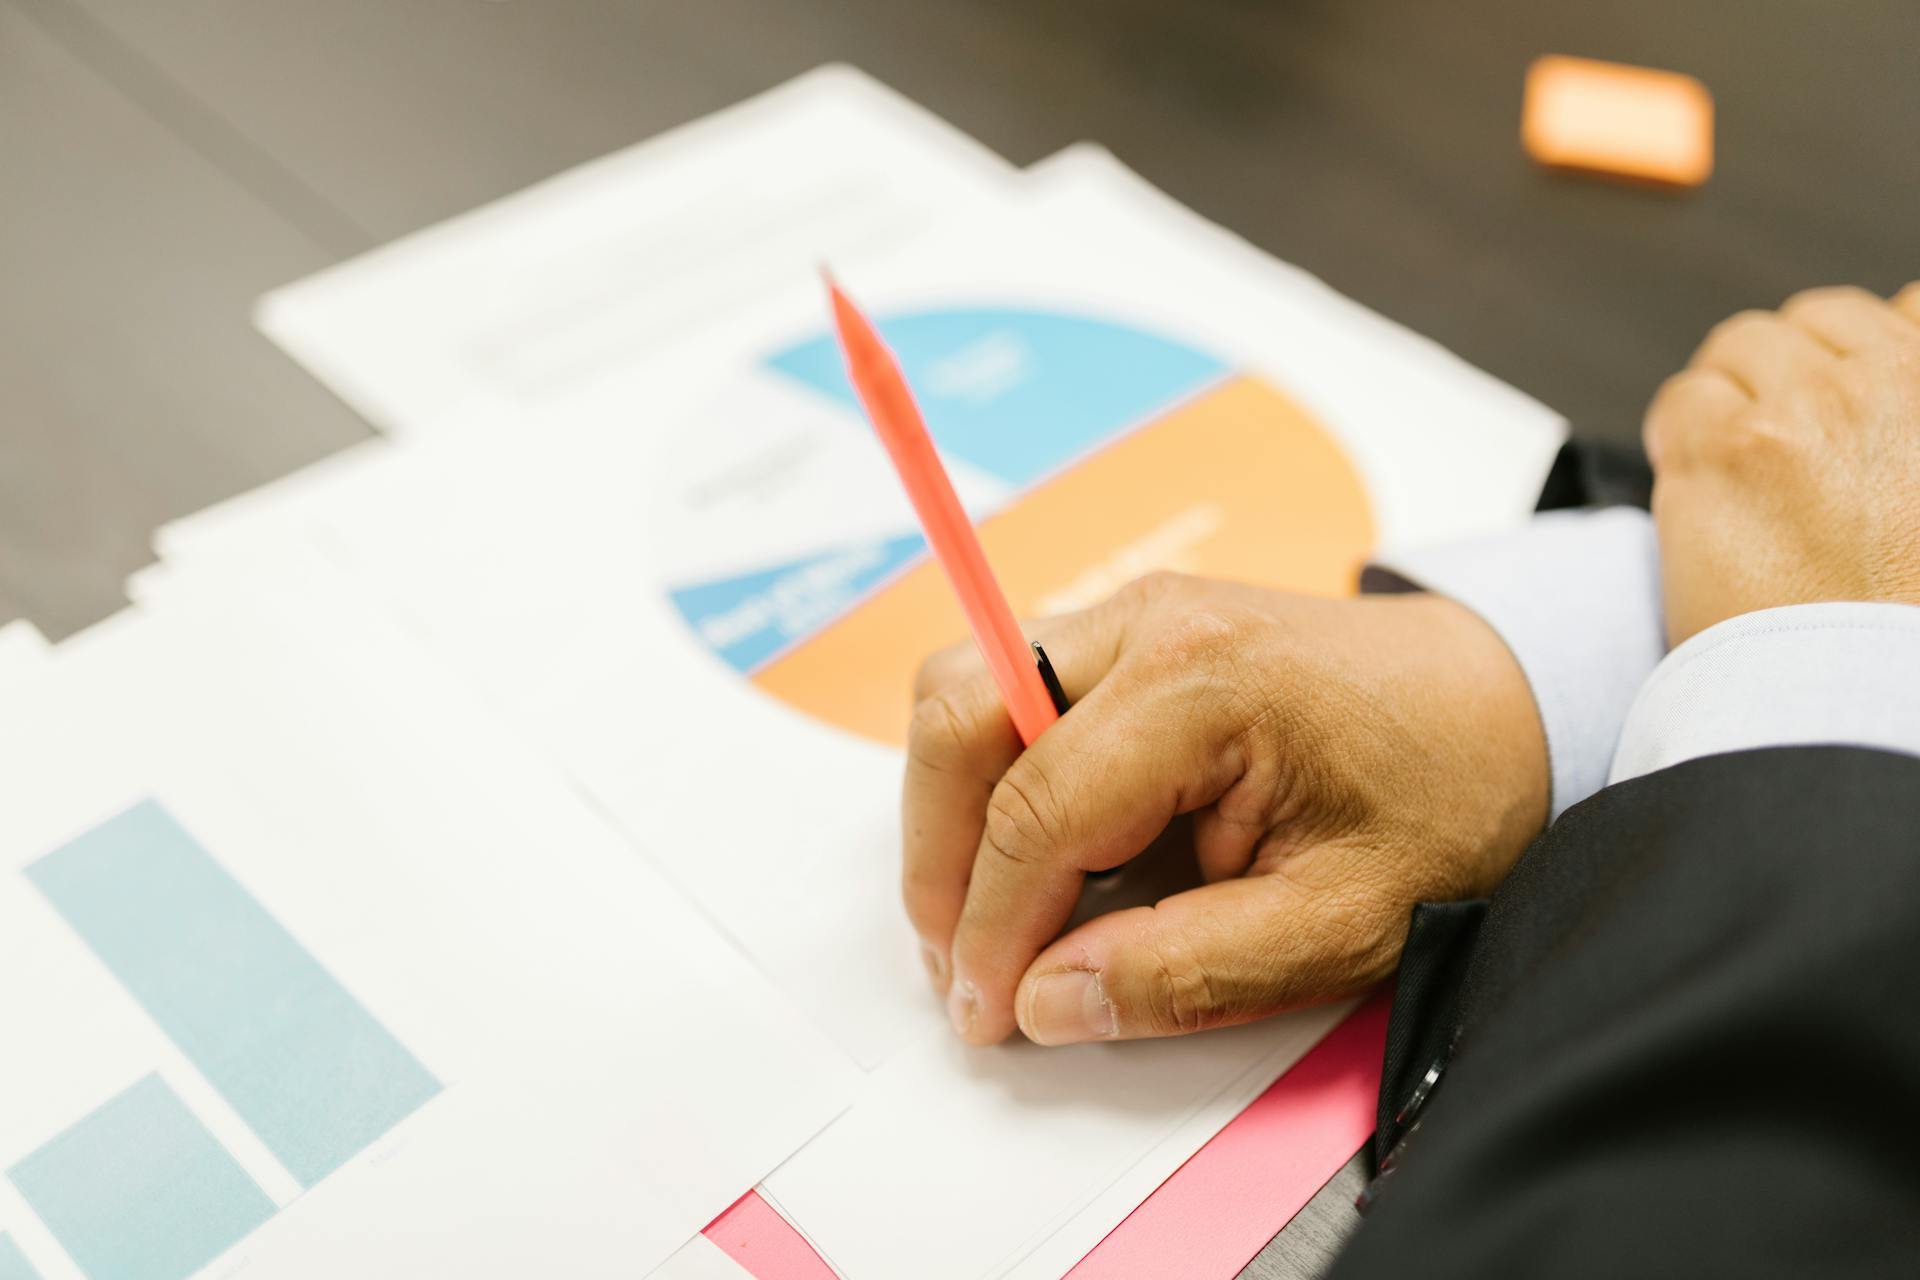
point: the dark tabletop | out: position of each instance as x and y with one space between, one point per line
162 162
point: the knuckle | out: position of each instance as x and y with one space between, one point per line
1824 298
1657 428
1879 386
1669 399
1198 637
1655 444
936 671
1857 379
1740 322
926 678
916 895
939 731
1754 437
1155 586
1024 817
1734 333
1740 434
1674 385
1680 392
1181 995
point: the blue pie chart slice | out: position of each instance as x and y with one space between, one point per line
1018 394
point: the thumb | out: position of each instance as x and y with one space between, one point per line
1215 956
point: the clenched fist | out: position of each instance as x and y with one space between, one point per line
1328 764
1787 460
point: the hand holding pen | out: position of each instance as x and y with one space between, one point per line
1328 764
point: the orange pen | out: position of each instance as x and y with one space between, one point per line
1026 679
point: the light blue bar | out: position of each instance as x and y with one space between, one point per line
139 1190
13 1263
291 1050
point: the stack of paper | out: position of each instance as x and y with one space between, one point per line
478 853
22 650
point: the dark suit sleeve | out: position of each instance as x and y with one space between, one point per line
1688 1040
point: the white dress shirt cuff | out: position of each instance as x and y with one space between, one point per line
1576 596
1835 674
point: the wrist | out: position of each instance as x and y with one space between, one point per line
1486 732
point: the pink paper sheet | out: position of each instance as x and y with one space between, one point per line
1216 1211
1231 1196
764 1244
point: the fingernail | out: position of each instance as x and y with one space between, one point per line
1066 1008
936 962
963 1002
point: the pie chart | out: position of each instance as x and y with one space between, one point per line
1088 451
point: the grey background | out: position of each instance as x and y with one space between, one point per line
162 162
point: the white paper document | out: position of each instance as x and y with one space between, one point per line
699 1259
490 313
1039 1152
22 651
313 969
692 583
687 576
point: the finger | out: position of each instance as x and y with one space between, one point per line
1210 957
945 668
958 746
1088 640
1227 836
1143 747
960 742
1907 302
1846 320
1762 352
1692 405
1224 845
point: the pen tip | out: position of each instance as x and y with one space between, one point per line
846 317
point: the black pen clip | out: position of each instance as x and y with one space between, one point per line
1048 678
1051 679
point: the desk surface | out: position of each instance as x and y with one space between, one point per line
167 163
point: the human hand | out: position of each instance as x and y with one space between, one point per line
1330 763
1787 460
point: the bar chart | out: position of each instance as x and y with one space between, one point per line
13 1263
140 1188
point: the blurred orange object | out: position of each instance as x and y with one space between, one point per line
1619 121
